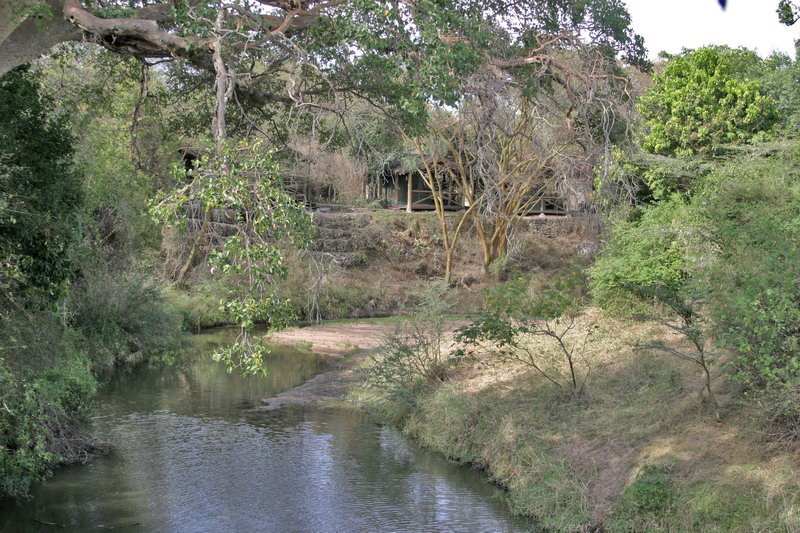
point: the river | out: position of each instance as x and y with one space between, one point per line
191 455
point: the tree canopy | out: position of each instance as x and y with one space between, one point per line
401 54
698 102
39 186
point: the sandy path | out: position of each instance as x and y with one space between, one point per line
345 344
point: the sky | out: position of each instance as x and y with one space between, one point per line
671 25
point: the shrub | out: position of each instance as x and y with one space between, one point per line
120 315
41 410
519 311
648 269
413 357
751 209
646 254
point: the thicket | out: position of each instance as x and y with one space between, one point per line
75 300
721 262
710 244
46 383
751 210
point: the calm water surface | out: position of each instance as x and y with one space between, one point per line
191 456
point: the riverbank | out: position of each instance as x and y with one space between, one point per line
191 454
344 347
639 451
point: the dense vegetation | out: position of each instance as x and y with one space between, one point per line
125 220
696 285
74 305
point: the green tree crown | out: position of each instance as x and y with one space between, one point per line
700 101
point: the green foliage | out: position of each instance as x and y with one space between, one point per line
39 408
699 102
647 504
243 182
752 209
730 252
122 317
45 384
778 75
788 12
412 358
115 210
644 257
39 187
518 310
407 58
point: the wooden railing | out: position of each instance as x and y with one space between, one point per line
547 205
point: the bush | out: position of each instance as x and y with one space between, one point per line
646 254
41 188
412 358
752 209
41 410
122 316
730 253
519 311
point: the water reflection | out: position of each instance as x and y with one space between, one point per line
190 456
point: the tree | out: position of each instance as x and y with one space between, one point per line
39 187
523 310
45 384
288 52
697 103
241 184
519 134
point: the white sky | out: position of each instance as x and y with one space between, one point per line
671 25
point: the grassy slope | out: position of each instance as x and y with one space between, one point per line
639 452
394 253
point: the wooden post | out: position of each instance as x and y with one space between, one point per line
410 193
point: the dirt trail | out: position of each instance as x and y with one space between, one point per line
345 344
